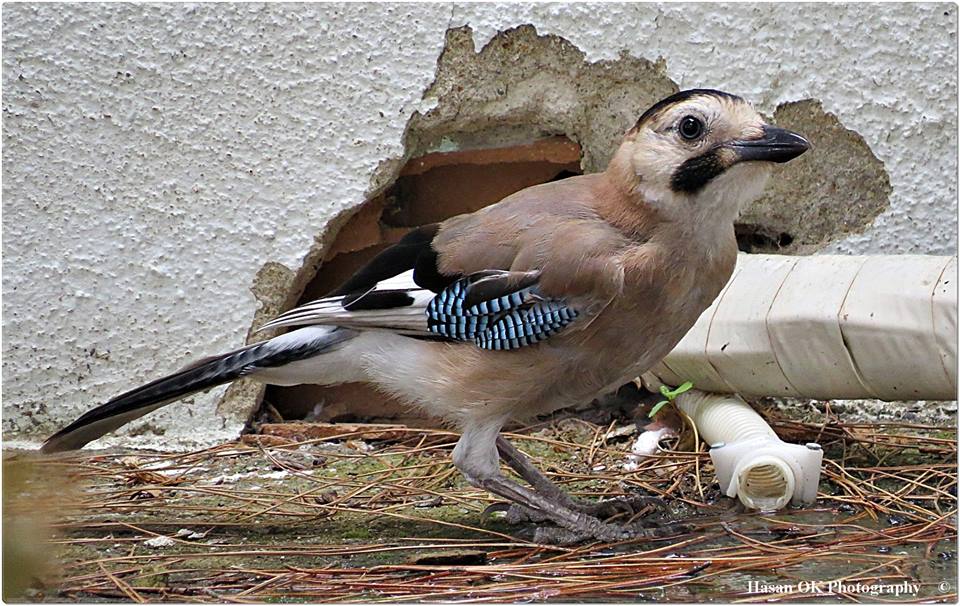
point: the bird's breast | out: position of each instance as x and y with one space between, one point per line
639 328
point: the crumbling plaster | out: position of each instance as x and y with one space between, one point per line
159 158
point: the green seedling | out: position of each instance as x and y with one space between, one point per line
670 396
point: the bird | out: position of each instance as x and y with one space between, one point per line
554 295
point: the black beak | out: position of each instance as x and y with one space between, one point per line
776 145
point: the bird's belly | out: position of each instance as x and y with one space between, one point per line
619 348
595 375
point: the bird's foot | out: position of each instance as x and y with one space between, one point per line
606 533
625 506
562 511
515 513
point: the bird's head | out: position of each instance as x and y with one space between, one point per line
704 151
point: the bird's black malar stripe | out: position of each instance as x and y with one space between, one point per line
691 176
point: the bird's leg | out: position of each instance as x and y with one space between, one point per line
476 456
601 509
521 464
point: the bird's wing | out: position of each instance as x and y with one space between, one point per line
480 278
396 304
391 292
494 309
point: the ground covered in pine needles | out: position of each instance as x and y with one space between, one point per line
322 513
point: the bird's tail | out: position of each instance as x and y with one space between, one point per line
201 375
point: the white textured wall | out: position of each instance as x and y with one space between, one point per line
155 157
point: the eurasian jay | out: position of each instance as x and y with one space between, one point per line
555 295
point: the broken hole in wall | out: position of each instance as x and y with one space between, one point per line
753 238
429 188
490 104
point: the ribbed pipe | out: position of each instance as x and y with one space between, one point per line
723 418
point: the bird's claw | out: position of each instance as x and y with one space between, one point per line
498 507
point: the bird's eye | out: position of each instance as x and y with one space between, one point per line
690 128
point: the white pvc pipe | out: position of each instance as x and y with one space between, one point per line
827 326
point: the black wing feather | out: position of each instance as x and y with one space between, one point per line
413 251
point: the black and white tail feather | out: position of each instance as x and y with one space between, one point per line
199 376
400 291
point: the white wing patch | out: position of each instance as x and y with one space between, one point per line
409 316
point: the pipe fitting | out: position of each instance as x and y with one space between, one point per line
752 463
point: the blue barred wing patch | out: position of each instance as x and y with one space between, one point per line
526 326
447 317
510 321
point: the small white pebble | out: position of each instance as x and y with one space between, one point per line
190 535
158 542
648 442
